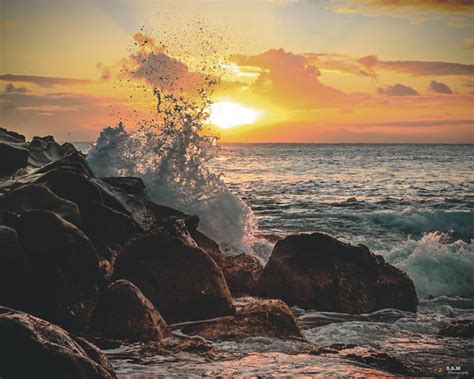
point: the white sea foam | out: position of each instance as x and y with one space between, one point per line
416 221
436 268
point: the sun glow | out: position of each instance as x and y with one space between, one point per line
225 115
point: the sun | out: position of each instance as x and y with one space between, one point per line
226 114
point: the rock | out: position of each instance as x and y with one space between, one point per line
268 318
317 271
37 196
43 150
242 273
74 162
13 158
12 267
463 328
182 281
62 271
180 348
378 360
103 217
34 348
128 184
124 313
10 136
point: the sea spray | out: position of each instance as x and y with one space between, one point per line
172 151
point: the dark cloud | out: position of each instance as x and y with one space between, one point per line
439 87
10 88
43 81
397 90
419 68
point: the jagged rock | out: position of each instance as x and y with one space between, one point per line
11 136
269 318
34 348
73 162
317 271
129 185
182 281
13 158
43 150
124 313
61 274
37 196
172 346
463 328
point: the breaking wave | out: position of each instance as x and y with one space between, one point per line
436 266
413 221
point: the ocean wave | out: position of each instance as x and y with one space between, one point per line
413 221
436 268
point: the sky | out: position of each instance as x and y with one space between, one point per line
328 71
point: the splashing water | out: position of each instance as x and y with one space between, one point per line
171 154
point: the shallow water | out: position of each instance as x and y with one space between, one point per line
413 204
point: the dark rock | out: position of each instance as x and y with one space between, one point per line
317 271
62 272
378 360
34 348
123 313
13 158
37 196
12 267
73 162
182 281
106 224
269 318
463 328
242 273
129 185
174 347
43 150
10 136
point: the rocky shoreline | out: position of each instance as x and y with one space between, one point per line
94 259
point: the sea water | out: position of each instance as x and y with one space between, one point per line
413 204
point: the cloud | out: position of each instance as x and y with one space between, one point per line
290 79
397 90
441 6
10 88
419 68
340 63
43 81
439 87
151 63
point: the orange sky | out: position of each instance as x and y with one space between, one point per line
311 71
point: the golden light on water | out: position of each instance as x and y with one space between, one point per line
226 114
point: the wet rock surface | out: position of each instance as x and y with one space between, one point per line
182 281
458 328
259 317
124 313
34 348
319 272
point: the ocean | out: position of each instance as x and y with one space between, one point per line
411 203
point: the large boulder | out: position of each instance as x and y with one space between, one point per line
34 348
124 313
62 271
182 281
38 196
318 271
259 317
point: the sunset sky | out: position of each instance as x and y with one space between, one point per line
291 70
